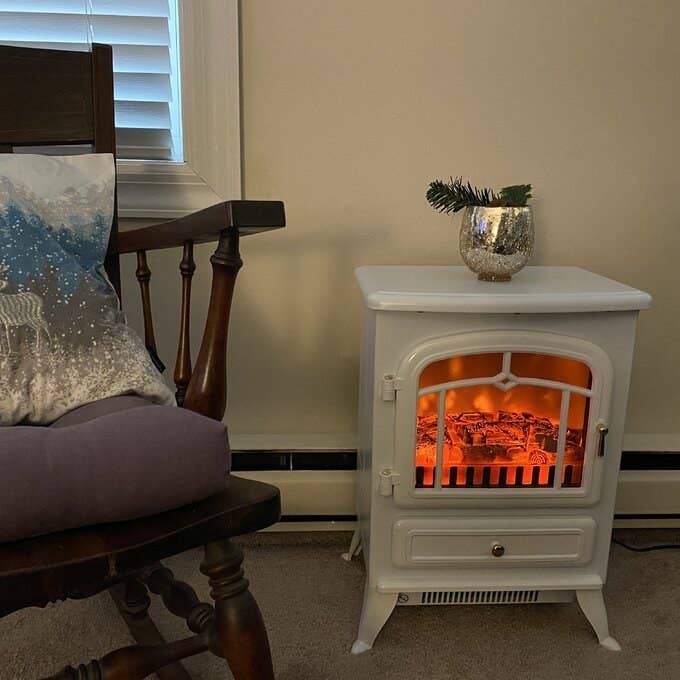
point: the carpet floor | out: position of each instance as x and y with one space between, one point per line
311 601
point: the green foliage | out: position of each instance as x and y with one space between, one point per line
515 196
452 196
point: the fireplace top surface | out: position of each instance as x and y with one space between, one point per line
533 290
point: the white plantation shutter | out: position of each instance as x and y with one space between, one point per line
143 34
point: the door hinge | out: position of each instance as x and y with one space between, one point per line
388 480
390 386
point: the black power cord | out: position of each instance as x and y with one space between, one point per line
647 548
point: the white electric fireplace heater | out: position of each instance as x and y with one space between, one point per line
490 427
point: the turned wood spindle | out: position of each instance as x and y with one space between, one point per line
135 598
136 661
180 599
132 599
207 390
143 274
183 364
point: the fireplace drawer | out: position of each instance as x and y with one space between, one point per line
502 542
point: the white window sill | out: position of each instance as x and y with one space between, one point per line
161 190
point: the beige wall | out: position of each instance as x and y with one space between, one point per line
350 107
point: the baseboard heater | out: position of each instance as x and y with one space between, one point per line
318 486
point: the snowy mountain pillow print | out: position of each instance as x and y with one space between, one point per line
63 338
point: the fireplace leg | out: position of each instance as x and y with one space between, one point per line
593 607
376 610
354 546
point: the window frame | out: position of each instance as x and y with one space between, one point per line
209 83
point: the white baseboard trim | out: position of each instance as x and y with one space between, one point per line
652 442
311 492
649 492
642 495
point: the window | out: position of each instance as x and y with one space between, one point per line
174 62
143 34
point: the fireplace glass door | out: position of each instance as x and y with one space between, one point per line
502 420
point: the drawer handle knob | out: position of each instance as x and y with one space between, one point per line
498 550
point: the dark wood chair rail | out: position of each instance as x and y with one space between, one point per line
247 217
59 97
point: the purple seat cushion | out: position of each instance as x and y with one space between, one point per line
116 459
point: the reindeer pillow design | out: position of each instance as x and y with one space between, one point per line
63 339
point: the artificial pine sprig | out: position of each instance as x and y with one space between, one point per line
515 196
452 196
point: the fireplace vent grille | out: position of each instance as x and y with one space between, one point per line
479 597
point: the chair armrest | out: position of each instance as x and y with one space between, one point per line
203 389
248 217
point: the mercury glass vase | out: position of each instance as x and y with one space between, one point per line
496 243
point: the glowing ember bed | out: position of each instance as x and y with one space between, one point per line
490 427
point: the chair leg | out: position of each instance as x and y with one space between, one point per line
179 598
239 633
133 597
135 662
132 600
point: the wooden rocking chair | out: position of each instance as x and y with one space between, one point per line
55 97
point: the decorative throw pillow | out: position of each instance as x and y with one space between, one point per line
63 338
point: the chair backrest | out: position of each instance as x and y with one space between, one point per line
55 97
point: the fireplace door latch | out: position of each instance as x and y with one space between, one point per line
388 479
603 431
390 386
